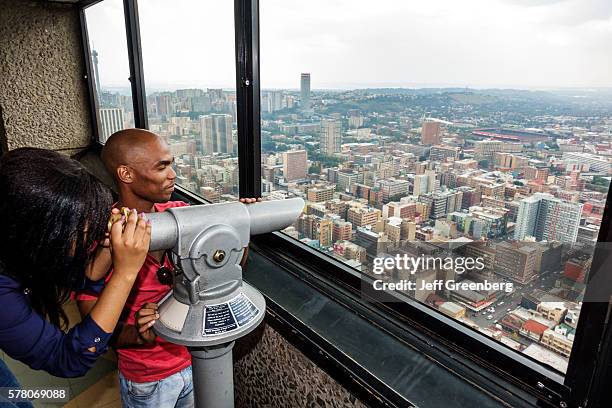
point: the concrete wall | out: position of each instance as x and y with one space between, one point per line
275 374
43 93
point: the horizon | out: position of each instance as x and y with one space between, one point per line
169 88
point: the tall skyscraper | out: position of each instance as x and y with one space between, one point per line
111 120
430 133
94 55
526 217
305 91
295 163
548 218
330 136
217 133
164 105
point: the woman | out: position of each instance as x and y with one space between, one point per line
52 214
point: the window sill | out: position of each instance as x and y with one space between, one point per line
379 367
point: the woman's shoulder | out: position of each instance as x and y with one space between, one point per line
6 282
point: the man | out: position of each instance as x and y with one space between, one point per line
153 372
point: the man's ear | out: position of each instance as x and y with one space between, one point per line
125 174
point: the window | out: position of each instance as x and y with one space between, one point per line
110 67
447 155
190 76
454 155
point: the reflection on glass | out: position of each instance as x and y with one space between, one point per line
191 99
111 71
471 181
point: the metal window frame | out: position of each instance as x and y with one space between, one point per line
132 31
246 17
94 105
582 386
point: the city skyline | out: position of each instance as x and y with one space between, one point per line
517 179
519 186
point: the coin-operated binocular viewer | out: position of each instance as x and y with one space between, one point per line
210 306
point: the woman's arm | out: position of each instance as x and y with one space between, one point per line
129 250
100 264
26 336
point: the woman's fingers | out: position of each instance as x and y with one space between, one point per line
140 231
115 230
130 226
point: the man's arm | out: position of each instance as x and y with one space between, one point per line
245 256
124 336
100 264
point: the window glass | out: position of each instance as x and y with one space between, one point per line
110 66
189 67
458 153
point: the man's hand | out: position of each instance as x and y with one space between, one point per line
245 255
145 319
250 200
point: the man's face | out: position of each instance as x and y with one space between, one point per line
153 173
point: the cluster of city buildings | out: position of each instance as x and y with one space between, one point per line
528 202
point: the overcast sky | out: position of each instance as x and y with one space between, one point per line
358 43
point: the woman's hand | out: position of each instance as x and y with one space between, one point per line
129 247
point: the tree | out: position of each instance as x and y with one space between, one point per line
315 169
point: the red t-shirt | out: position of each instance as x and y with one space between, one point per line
148 362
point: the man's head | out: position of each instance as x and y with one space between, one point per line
141 164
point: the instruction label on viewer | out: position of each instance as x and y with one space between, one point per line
229 316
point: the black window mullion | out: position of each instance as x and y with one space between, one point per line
89 77
590 359
132 30
246 18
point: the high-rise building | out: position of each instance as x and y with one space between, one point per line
400 210
361 216
330 136
393 189
345 179
342 231
94 56
442 203
216 133
526 217
430 133
305 91
486 149
111 120
441 153
163 102
322 230
548 218
595 162
295 165
320 194
516 261
425 183
272 101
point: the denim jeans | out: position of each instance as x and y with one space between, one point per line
7 379
173 391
